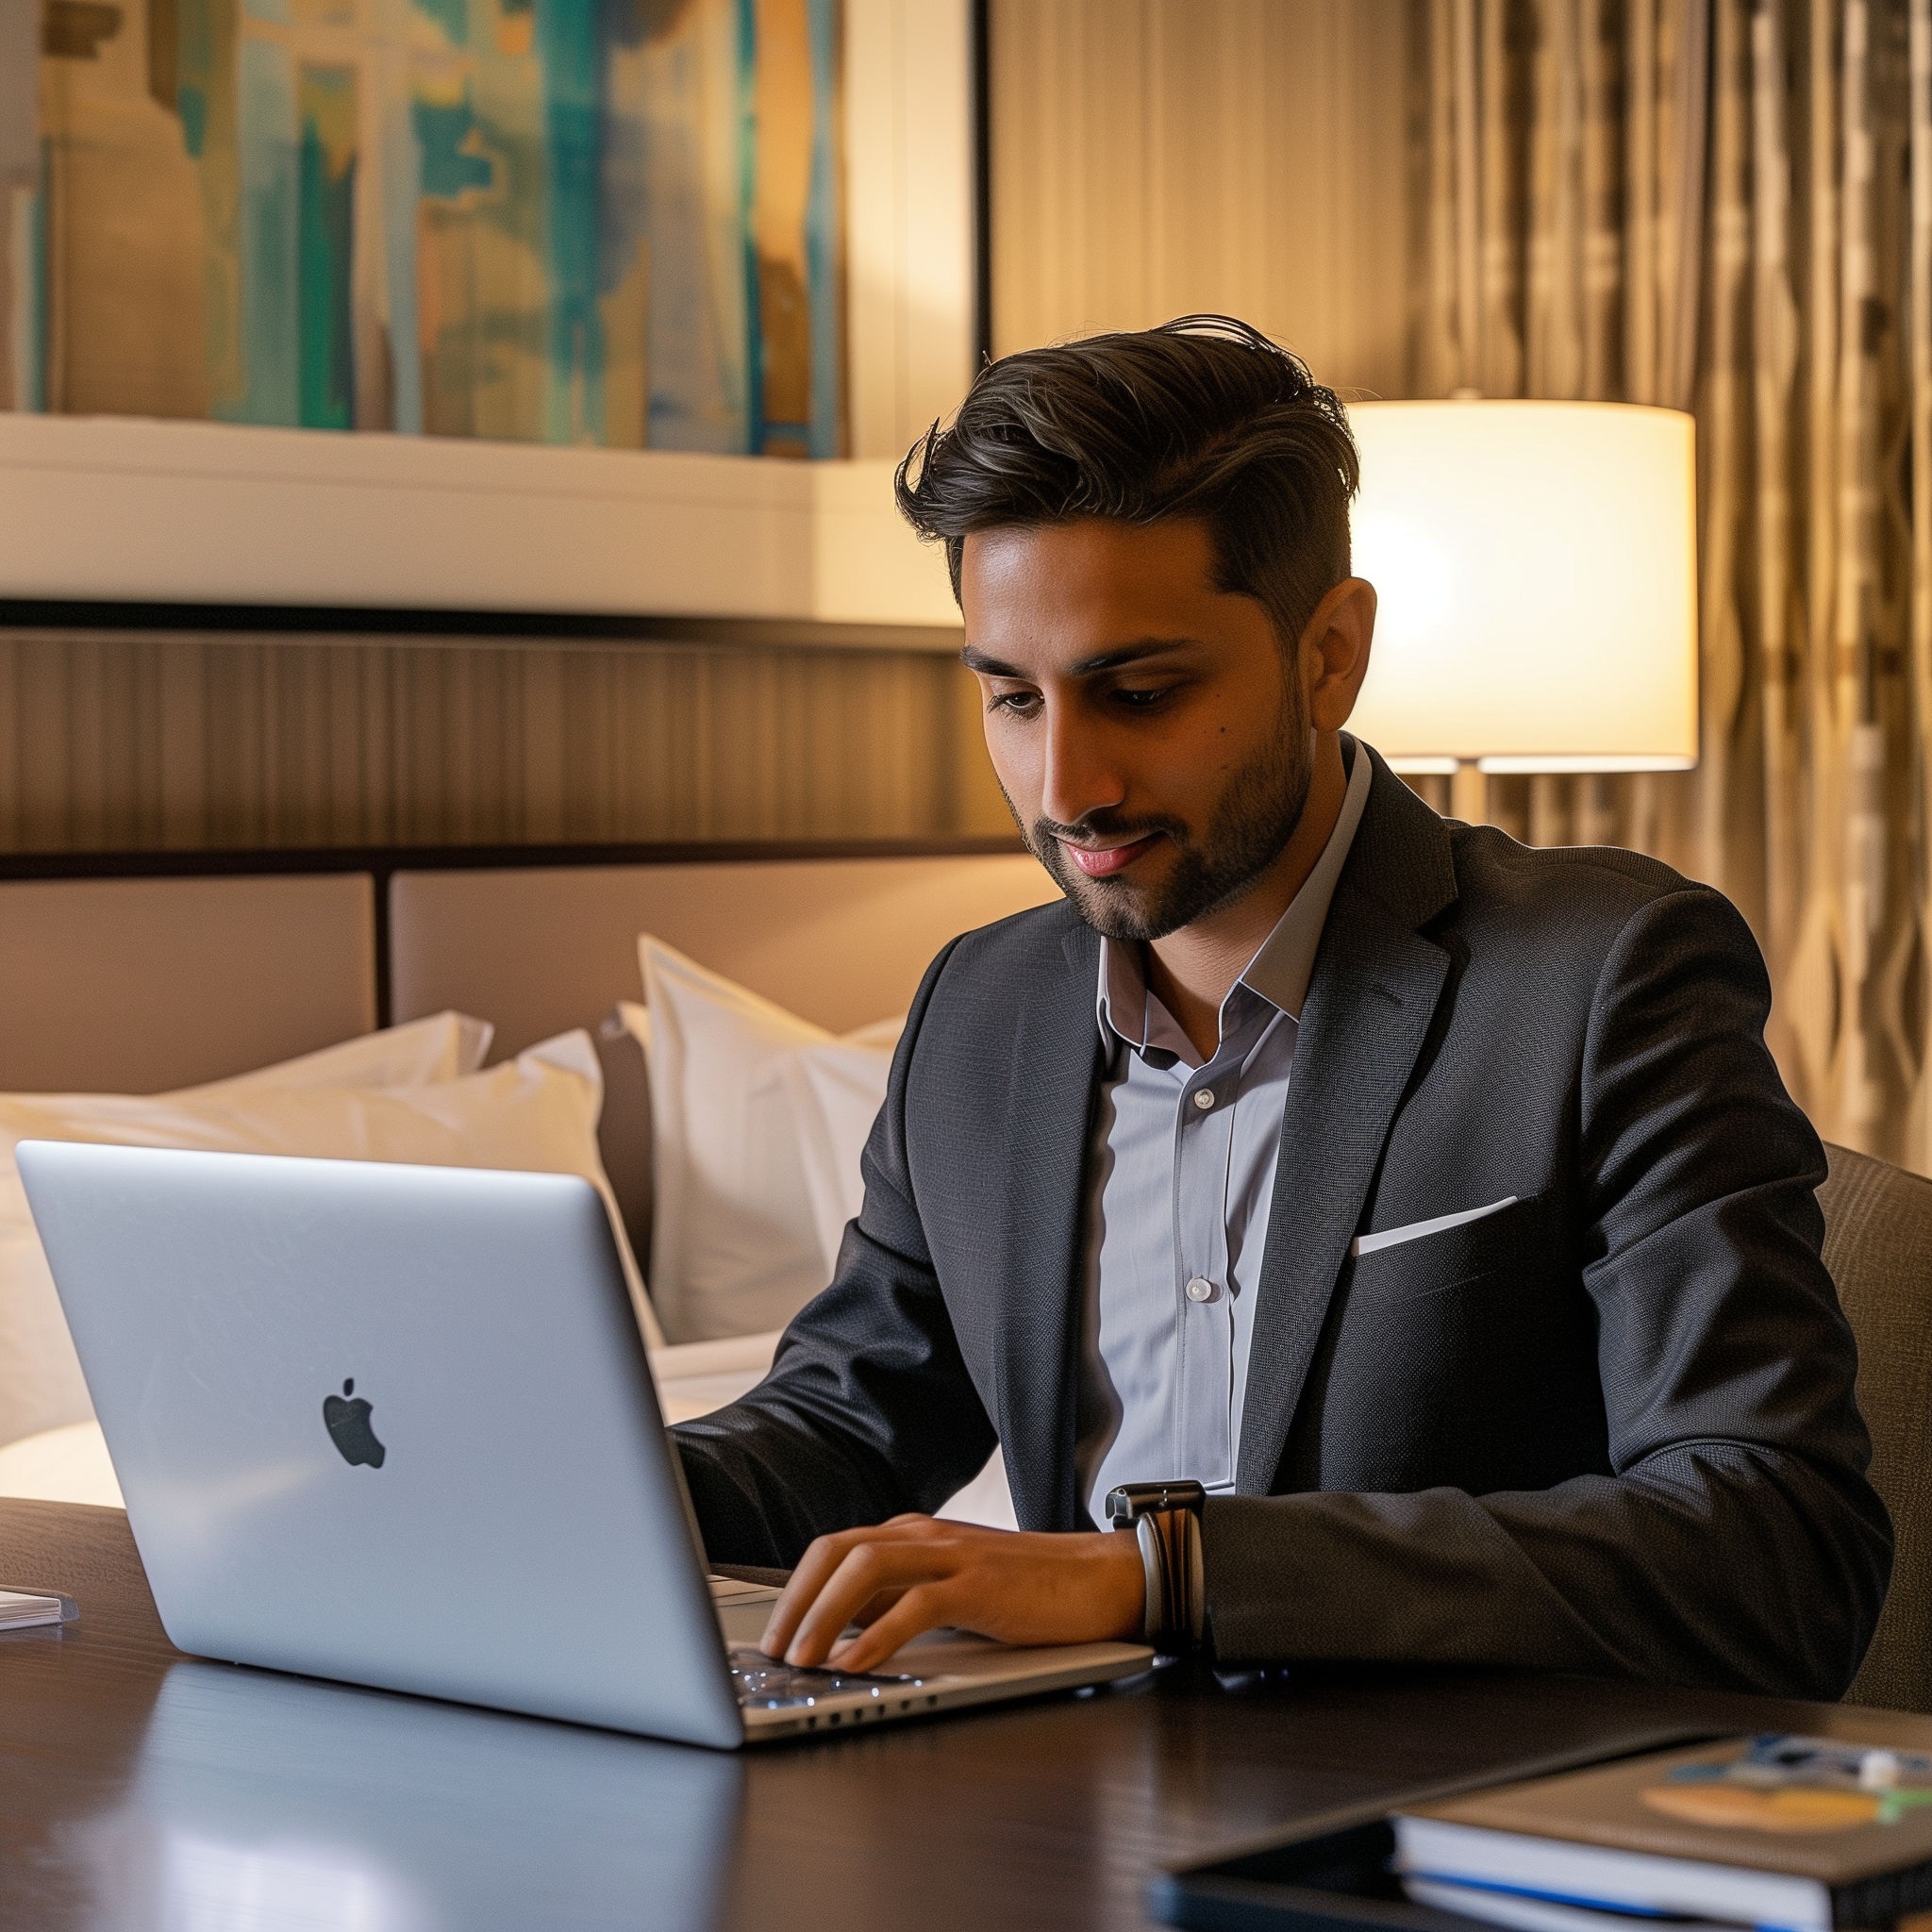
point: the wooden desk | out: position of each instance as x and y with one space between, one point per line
139 1790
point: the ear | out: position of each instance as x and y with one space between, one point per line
1334 652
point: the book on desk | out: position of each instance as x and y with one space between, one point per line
1803 1834
1774 1832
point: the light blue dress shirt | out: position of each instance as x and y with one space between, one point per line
1182 1177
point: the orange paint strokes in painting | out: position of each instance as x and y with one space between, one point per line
126 323
445 319
784 108
516 31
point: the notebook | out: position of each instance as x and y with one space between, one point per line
20 1609
1799 1834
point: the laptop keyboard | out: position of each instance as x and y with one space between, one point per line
762 1685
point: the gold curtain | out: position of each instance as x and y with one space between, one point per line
1726 206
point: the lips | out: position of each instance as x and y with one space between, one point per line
1100 865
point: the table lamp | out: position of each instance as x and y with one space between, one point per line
1536 570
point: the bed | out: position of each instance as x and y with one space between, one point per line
146 974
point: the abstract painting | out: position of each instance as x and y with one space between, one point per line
604 222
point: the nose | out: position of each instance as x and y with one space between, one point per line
1079 776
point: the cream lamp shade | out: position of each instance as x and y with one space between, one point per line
1536 570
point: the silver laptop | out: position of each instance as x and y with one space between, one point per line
395 1425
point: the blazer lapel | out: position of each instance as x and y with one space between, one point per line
1369 1006
1042 1222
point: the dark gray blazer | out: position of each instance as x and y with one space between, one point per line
1609 1429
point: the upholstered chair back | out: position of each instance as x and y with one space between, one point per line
1878 1246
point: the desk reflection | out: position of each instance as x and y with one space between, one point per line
265 1804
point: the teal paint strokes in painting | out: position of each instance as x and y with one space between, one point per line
452 16
747 214
270 226
570 42
325 248
190 102
824 257
194 59
443 136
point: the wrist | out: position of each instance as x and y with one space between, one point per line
1126 1587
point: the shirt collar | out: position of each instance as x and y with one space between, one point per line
1280 969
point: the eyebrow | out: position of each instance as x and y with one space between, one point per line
1141 648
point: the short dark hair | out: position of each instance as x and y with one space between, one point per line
1203 417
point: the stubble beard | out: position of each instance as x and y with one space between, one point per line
1254 819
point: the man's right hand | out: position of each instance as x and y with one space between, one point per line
917 1572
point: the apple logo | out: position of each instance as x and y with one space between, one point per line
348 1427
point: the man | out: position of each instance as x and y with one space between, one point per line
1432 1202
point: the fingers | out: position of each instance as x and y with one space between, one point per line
920 1608
870 1569
816 1569
869 1613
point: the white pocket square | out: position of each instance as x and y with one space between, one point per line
1391 1237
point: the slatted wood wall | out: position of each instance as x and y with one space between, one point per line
124 743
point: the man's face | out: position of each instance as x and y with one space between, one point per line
1148 729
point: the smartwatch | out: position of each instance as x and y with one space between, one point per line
1166 1521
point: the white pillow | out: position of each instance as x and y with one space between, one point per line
764 1116
444 1046
537 1111
837 1091
756 1120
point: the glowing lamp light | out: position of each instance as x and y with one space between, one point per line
1537 569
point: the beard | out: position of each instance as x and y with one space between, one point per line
1253 819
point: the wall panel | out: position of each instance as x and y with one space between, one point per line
122 743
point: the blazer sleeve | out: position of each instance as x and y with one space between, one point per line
1735 1543
869 1412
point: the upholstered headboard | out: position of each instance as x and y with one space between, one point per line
841 942
140 985
151 972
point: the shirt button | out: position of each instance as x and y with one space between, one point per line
1205 1099
1200 1289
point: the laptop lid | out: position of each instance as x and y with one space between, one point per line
390 1424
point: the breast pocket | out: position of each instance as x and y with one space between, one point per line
1498 1243
1463 1358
